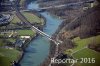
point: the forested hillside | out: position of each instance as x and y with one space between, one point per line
80 30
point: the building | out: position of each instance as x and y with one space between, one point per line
5 5
4 19
25 37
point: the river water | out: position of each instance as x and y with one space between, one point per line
38 49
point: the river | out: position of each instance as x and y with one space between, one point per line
38 49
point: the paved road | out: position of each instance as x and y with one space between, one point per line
67 5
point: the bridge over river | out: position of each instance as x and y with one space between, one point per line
23 19
56 41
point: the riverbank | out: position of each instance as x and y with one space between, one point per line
27 42
40 27
17 38
51 51
38 50
79 38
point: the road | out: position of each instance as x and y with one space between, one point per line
67 5
23 19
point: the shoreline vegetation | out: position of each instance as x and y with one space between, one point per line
16 36
74 44
79 40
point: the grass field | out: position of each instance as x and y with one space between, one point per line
33 18
85 52
1 43
80 43
21 2
11 39
30 17
88 53
15 19
7 56
26 33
